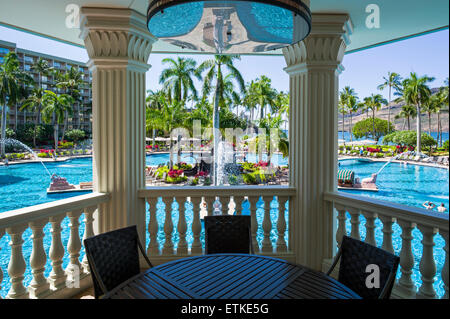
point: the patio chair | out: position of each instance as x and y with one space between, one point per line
355 256
113 258
228 234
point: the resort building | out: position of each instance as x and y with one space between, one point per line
81 117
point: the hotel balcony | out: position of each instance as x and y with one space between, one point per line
306 222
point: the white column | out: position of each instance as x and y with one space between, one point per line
314 66
196 247
118 44
88 232
39 285
17 266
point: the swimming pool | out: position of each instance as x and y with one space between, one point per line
25 185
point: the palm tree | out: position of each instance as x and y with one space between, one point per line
215 71
407 112
43 68
342 108
263 94
155 101
374 103
415 92
442 107
56 106
430 106
34 104
350 104
392 81
13 88
177 78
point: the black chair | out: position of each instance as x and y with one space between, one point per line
228 234
113 258
355 256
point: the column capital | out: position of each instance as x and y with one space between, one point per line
116 37
325 46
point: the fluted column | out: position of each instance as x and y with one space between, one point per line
314 66
118 45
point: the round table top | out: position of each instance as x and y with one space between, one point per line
231 276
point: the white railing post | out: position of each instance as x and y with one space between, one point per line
427 264
370 228
445 271
182 247
57 276
266 245
281 224
341 230
74 246
39 285
168 227
17 266
238 200
405 283
2 233
153 227
88 232
254 222
196 226
209 200
354 221
387 233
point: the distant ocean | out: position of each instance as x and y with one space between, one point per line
347 136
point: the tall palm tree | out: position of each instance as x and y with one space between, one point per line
374 103
55 106
407 112
350 104
215 73
44 69
155 101
442 107
416 92
342 108
392 81
177 78
263 94
430 106
34 104
13 88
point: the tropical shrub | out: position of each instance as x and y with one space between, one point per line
364 128
65 144
379 155
75 135
446 146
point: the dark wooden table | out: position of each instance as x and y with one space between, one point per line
231 276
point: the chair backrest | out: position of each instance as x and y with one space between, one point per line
113 258
228 234
356 256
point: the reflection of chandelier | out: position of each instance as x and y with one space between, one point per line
235 26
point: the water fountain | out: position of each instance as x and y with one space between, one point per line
14 142
225 163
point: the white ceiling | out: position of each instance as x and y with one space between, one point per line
399 19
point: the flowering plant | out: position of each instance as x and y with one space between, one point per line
201 174
175 173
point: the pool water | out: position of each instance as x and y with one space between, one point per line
25 185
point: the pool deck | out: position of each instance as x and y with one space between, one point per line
45 160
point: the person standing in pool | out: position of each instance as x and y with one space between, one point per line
428 205
442 208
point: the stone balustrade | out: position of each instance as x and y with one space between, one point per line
429 224
76 275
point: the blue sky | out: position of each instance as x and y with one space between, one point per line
364 70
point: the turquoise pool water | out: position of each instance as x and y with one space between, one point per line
25 185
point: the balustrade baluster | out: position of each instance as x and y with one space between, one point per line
238 200
182 247
210 205
341 230
153 227
354 221
2 233
405 283
444 273
370 228
57 276
267 226
427 264
168 227
39 285
88 232
387 233
196 226
16 266
281 224
74 269
254 222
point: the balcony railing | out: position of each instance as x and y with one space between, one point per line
409 219
16 222
269 229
